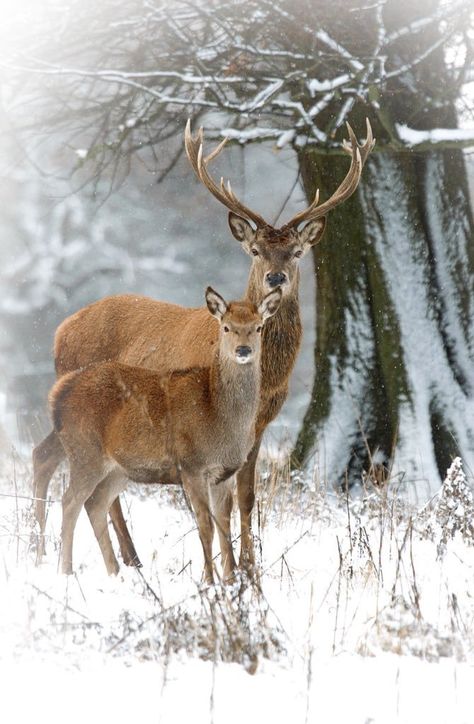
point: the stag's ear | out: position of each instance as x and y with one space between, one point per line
269 304
215 303
312 232
241 228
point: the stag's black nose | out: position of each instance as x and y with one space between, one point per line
243 351
274 280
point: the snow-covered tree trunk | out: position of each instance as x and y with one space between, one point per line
394 301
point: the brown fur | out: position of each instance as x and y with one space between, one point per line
194 427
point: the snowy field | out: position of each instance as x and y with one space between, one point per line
364 612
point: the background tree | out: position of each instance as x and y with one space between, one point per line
393 383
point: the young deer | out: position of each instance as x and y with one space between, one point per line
195 426
144 332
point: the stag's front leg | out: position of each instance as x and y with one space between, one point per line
97 507
246 499
196 489
127 547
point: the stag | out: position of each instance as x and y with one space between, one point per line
140 331
118 422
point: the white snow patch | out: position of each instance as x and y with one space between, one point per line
366 623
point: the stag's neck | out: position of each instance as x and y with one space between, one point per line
235 390
281 337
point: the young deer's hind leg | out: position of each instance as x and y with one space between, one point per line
46 458
197 492
221 500
82 483
97 507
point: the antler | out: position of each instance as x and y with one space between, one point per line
223 192
359 153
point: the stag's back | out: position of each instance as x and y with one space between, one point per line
135 330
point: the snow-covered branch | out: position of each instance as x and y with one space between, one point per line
445 137
279 70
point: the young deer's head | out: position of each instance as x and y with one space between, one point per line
241 324
276 252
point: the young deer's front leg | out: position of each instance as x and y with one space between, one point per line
221 500
196 489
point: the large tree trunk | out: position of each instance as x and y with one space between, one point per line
394 352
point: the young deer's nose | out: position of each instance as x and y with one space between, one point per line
243 351
274 280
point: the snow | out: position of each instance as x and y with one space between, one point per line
356 617
349 380
322 86
263 96
286 137
250 134
412 137
431 380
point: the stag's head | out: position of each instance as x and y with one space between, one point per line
276 252
241 324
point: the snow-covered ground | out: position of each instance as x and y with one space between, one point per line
364 612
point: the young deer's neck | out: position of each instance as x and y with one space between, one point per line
235 389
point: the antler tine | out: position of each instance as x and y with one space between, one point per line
194 152
364 148
216 151
359 153
228 191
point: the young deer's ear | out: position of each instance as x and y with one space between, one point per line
215 303
241 228
312 232
269 304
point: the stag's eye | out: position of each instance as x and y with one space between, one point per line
254 252
226 328
259 329
298 253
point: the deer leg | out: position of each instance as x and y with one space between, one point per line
46 458
246 499
127 548
221 500
97 507
197 492
82 483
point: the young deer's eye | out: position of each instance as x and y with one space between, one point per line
298 253
226 328
254 252
258 330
